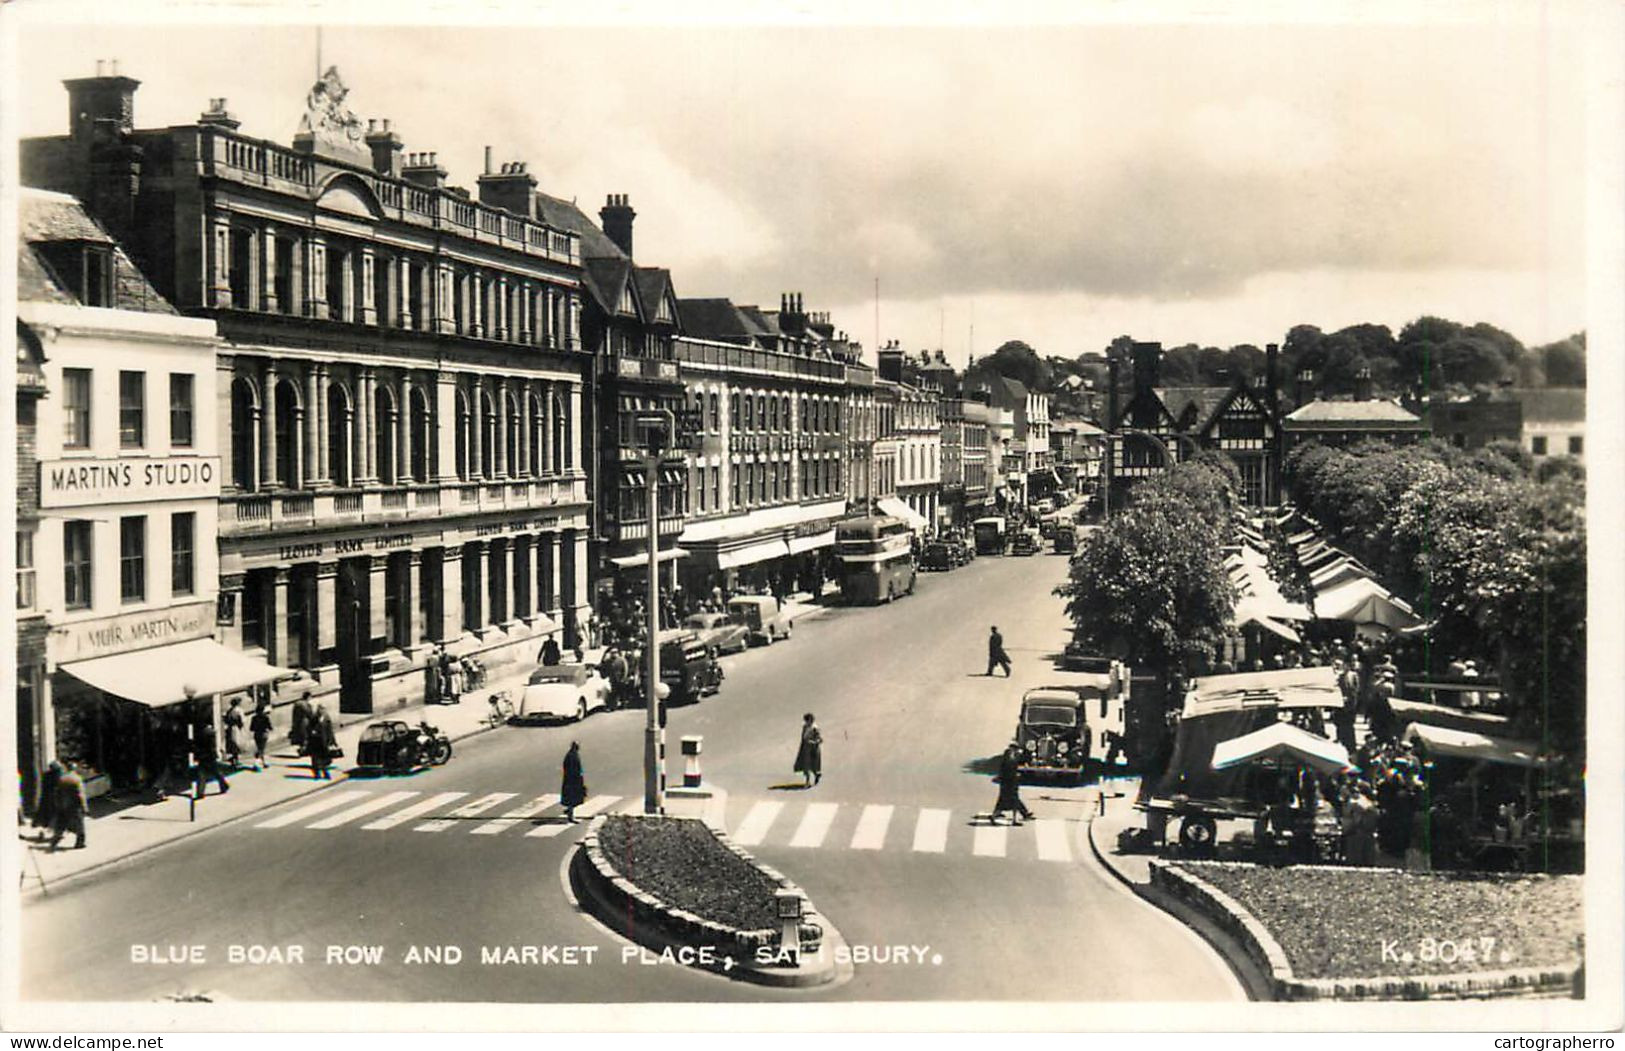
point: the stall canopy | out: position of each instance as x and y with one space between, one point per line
897 509
1464 744
810 543
1282 688
161 675
1282 741
1364 601
752 553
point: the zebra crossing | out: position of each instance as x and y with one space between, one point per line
765 823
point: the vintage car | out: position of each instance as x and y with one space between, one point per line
1025 543
964 548
688 667
718 630
1053 731
562 691
764 622
1065 539
938 555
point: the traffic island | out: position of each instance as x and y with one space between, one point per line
1320 932
679 887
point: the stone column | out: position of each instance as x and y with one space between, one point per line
571 451
547 429
268 478
476 304
220 261
367 463
480 615
523 575
440 298
574 322
414 599
277 619
547 573
327 605
501 323
401 291
347 308
544 326
445 426
296 279
510 582
502 428
315 297
527 300
451 594
266 243
403 430
476 439
312 470
369 293
324 454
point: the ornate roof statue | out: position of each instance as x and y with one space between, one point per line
326 117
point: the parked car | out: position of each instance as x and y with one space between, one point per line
764 622
688 667
964 548
1026 543
1044 506
938 555
562 691
716 629
1066 539
1053 732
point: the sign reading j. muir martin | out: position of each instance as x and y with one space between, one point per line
105 636
127 479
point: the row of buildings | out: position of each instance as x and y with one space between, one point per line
295 418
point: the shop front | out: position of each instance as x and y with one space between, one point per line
776 551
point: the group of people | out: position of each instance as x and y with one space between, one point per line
311 733
448 677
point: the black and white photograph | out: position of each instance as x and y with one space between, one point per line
768 517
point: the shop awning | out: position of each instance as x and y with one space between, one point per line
642 558
1464 744
890 505
1282 688
1269 624
1282 741
752 553
812 543
161 675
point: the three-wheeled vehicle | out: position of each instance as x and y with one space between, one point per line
688 666
399 747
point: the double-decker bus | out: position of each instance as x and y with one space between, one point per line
877 564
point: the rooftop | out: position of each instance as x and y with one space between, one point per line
1354 413
1550 404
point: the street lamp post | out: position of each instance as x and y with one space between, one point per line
194 772
656 433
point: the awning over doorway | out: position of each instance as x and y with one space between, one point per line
890 505
161 675
642 558
752 553
809 543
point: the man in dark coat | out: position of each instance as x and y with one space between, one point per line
320 743
549 654
995 652
207 757
1009 781
299 728
71 806
573 787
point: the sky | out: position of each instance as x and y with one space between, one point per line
1064 183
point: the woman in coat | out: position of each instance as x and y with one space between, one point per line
573 789
1009 780
259 724
810 756
320 743
232 720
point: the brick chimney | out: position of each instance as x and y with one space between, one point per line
102 105
511 188
616 217
1362 384
218 116
1272 379
423 169
1114 365
891 363
1147 366
1305 389
386 148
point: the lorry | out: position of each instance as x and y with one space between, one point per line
989 535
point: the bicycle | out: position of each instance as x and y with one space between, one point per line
500 709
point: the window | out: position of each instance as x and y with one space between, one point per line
180 408
733 409
76 567
182 553
716 488
716 420
1576 445
749 413
26 595
76 408
132 409
132 558
1537 445
733 474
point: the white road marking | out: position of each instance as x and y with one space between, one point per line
585 810
931 831
400 817
371 806
990 841
814 825
1052 844
327 802
516 815
753 829
474 809
871 830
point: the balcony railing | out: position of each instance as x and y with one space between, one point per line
298 505
255 512
346 503
733 357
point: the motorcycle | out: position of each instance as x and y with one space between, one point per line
399 748
434 747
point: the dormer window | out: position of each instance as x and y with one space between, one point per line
84 268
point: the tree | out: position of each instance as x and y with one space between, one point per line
1563 364
1017 361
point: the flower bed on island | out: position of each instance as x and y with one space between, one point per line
684 865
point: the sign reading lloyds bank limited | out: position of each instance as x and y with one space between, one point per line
127 479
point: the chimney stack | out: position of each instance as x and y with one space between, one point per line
1272 365
386 148
1147 367
1114 363
512 189
1305 390
616 217
423 169
103 104
1362 384
218 116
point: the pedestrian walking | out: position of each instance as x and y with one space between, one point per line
206 753
233 721
320 744
573 787
1009 782
810 756
996 657
259 725
300 729
549 654
45 809
69 812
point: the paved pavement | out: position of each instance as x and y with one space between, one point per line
366 877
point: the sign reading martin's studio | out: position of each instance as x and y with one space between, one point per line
104 636
127 479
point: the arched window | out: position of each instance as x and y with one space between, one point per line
385 421
784 410
339 422
244 415
733 410
716 422
465 430
488 437
287 434
421 435
515 436
761 411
